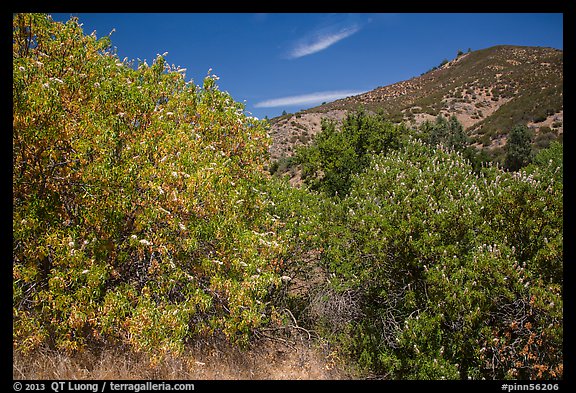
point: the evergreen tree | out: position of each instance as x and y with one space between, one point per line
518 148
439 131
457 138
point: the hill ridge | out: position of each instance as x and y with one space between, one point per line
489 90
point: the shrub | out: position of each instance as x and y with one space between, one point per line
557 124
274 165
137 212
544 138
457 274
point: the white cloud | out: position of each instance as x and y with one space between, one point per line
307 99
320 41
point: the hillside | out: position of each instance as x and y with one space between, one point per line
488 90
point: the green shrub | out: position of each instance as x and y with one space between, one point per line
539 118
557 124
456 274
544 138
274 165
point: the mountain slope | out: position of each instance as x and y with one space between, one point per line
488 90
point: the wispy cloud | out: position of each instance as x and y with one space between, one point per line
319 41
307 99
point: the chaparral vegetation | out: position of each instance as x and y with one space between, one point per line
145 217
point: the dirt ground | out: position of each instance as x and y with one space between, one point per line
293 358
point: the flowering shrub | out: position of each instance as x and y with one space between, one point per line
137 199
459 274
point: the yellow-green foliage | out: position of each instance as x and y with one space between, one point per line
137 204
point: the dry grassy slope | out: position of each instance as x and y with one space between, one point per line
488 90
291 357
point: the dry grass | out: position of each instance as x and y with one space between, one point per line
293 358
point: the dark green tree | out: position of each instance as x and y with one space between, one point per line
447 132
477 157
518 148
337 154
439 132
457 138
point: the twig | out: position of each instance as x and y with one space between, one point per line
292 315
285 342
20 371
296 324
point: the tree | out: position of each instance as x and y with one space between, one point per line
457 138
447 132
337 154
439 131
518 148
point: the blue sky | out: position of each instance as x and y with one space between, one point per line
281 61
